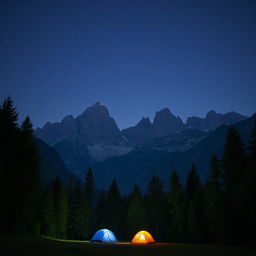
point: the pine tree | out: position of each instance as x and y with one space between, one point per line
28 177
234 185
193 185
8 152
9 115
250 192
19 172
47 215
233 162
194 206
176 201
156 205
212 205
113 207
252 145
136 217
115 211
61 208
89 186
100 210
79 226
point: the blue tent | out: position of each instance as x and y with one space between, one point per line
105 236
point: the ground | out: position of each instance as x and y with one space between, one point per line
15 246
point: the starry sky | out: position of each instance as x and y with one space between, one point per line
135 56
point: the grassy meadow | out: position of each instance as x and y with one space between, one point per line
47 247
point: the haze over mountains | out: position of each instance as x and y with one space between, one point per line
94 135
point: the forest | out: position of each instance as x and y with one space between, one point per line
221 209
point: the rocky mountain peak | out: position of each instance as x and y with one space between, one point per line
97 103
165 123
140 133
67 119
211 113
48 124
144 122
213 120
163 113
97 109
96 126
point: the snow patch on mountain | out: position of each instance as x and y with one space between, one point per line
101 152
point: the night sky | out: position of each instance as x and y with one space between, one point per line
135 56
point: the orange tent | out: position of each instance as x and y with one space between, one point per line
142 237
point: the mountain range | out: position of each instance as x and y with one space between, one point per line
93 138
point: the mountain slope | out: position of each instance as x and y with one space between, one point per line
52 166
140 133
179 142
137 167
75 156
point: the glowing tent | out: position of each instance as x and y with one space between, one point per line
142 237
105 236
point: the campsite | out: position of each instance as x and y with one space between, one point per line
127 127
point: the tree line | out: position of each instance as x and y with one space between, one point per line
220 210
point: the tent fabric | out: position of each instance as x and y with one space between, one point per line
142 237
105 236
